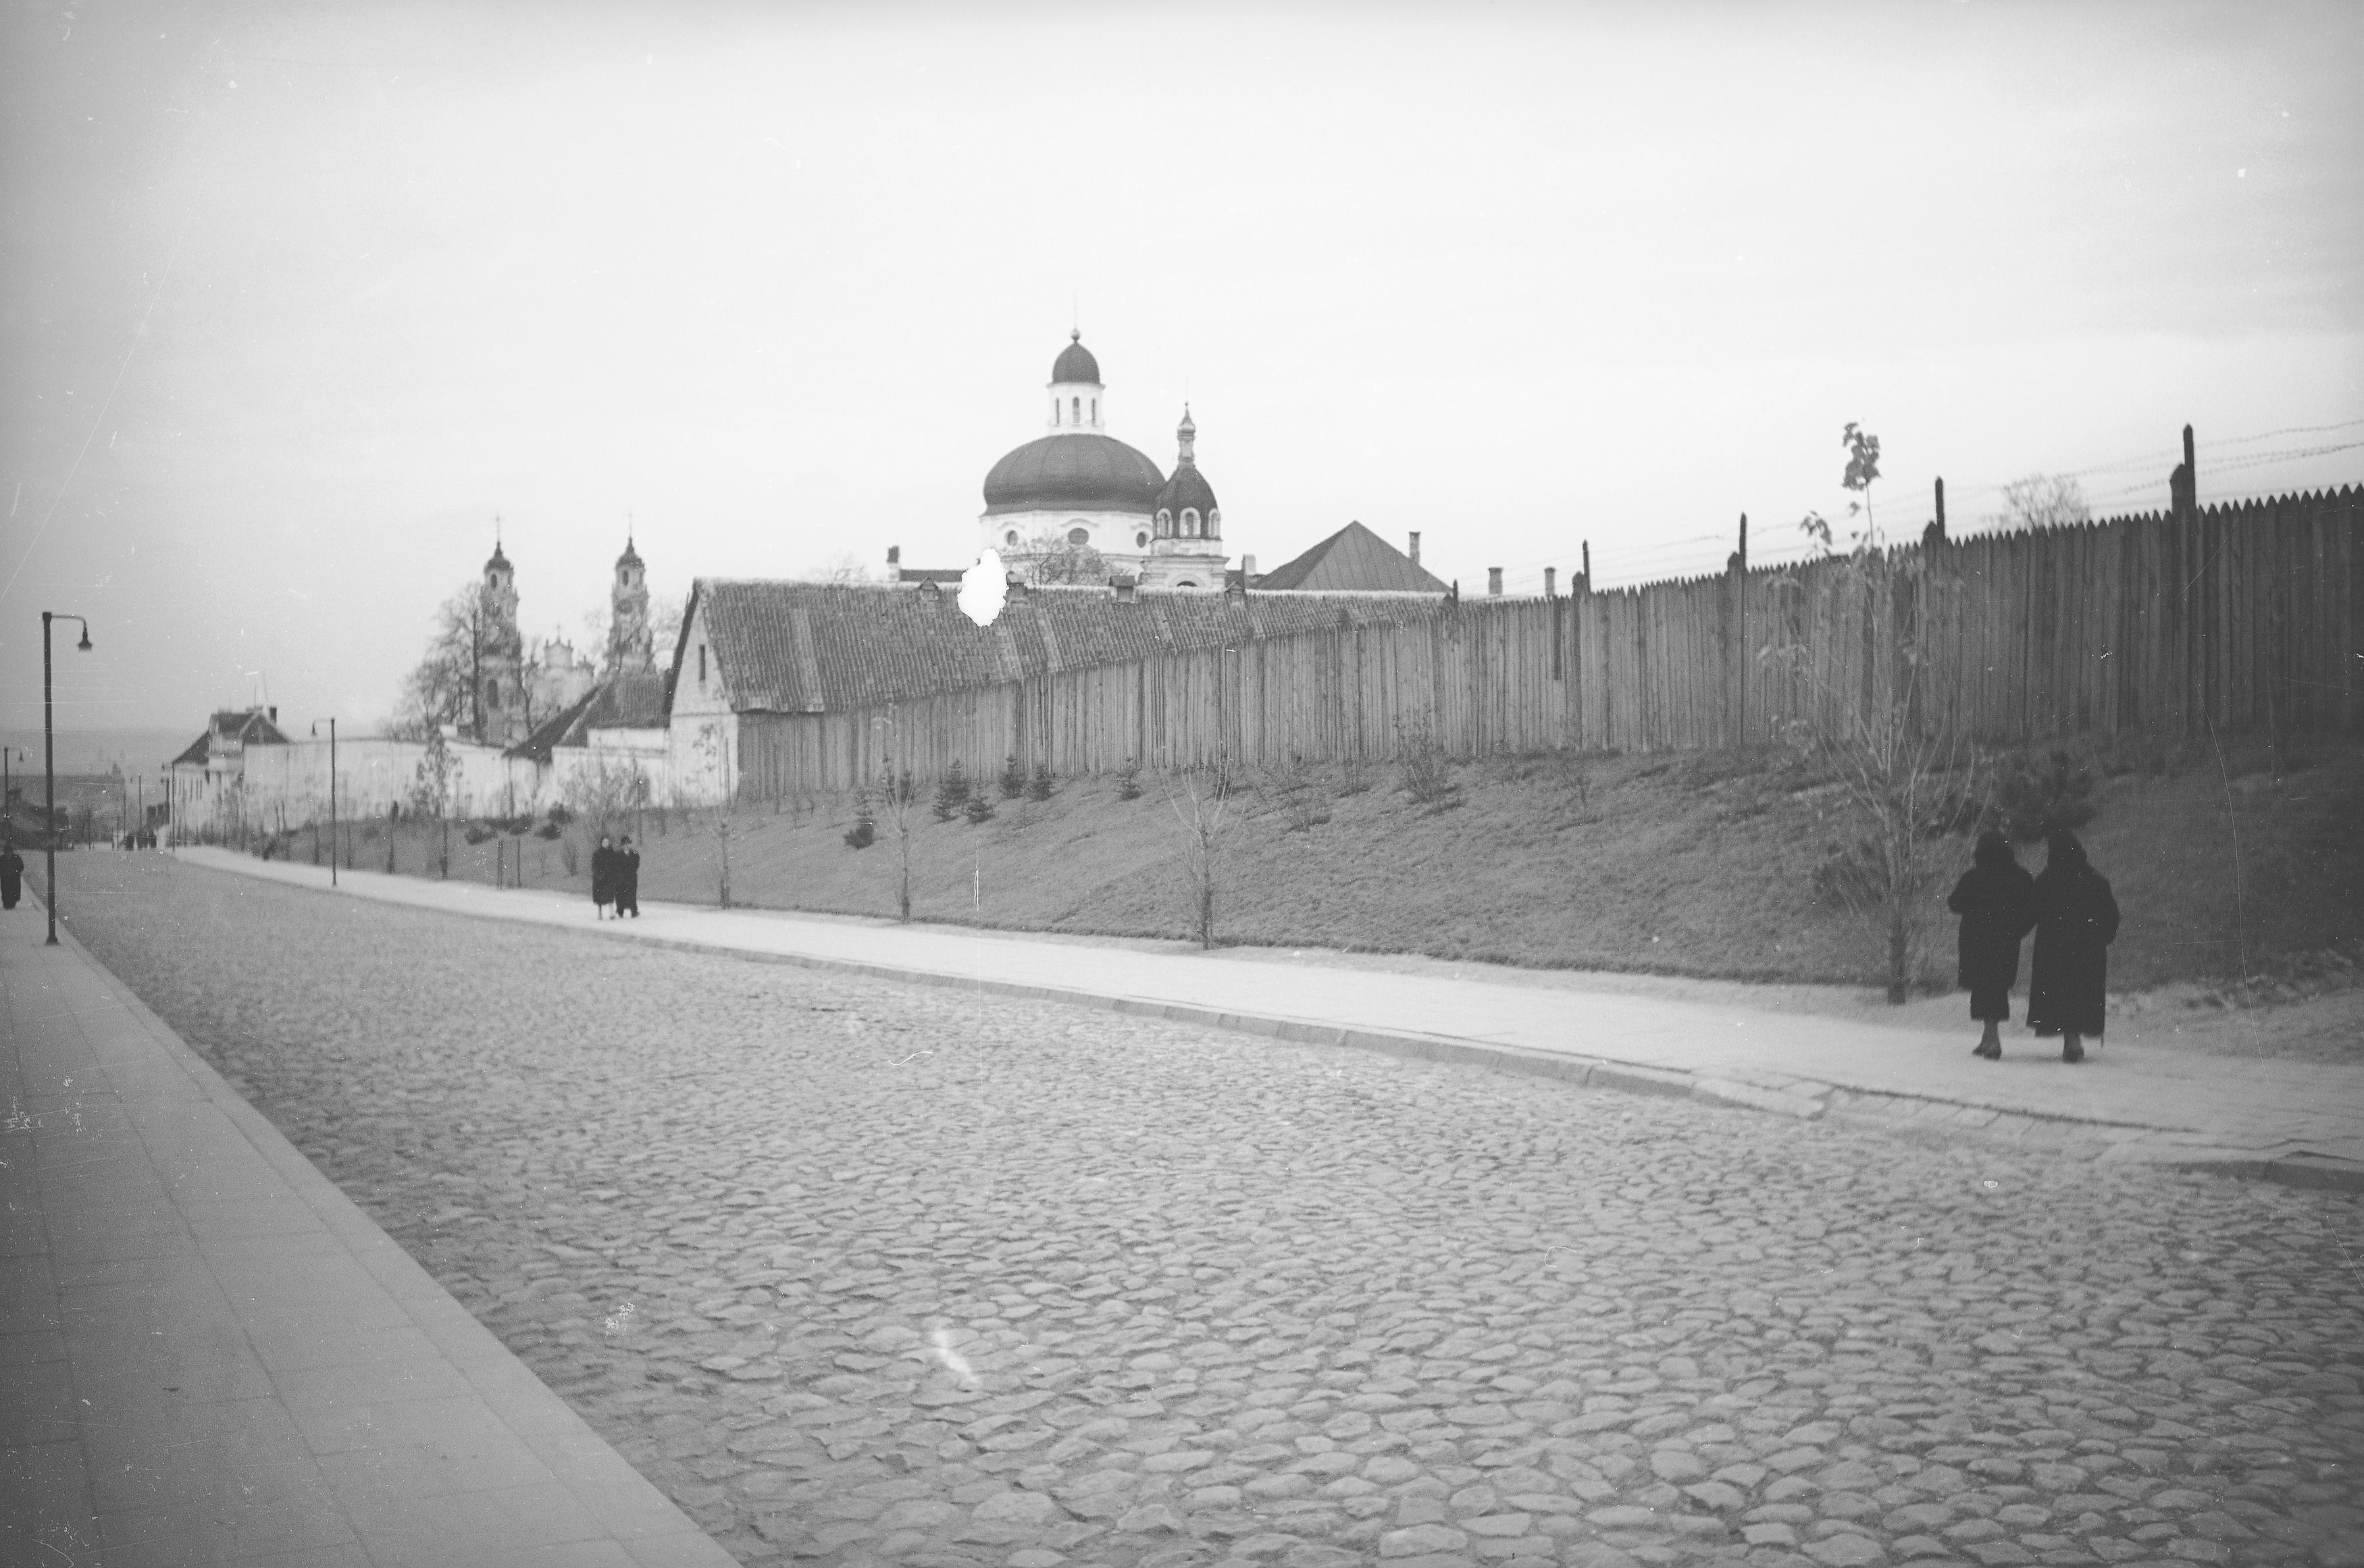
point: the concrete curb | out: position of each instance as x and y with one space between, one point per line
1796 1098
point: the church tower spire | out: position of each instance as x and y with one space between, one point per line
498 677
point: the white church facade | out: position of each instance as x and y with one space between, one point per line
1078 485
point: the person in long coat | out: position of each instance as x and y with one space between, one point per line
603 878
1996 899
11 876
628 879
2076 921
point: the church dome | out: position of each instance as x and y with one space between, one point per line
1078 473
1075 362
1188 487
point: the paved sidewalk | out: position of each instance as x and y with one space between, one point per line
209 1355
2291 1121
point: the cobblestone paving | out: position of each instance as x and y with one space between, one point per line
867 1273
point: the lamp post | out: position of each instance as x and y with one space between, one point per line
49 769
332 796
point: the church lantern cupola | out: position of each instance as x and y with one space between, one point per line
1075 390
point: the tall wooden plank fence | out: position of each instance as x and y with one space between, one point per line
2224 619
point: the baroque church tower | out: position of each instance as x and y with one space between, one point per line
499 676
631 641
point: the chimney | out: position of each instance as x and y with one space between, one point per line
275 716
895 557
1123 586
1551 582
1493 582
1415 549
1247 565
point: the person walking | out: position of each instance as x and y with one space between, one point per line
628 879
603 878
1996 899
2076 921
12 876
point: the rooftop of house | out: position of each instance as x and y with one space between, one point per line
816 646
1352 560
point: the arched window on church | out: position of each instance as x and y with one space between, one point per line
1076 409
1164 525
492 692
1096 410
1189 522
1054 411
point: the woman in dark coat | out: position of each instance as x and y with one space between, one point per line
2076 921
1996 900
11 876
603 878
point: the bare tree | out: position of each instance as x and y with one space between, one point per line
843 568
1202 806
2043 501
1907 773
1050 556
447 688
431 794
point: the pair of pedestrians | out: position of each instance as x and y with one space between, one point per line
616 878
2075 918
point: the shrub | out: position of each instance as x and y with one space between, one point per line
547 831
2035 797
560 817
1013 779
1128 782
478 833
1427 776
864 831
951 793
979 809
1039 786
566 855
1353 774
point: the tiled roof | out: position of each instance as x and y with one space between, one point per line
820 647
199 750
633 700
1354 560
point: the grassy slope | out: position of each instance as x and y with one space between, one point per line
1687 866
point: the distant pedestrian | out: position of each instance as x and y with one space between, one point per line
603 878
628 880
11 876
2076 921
1996 899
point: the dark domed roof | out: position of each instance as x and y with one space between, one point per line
1075 362
1188 487
1074 473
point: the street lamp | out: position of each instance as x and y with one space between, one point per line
49 768
332 796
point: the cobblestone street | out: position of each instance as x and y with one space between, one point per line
863 1273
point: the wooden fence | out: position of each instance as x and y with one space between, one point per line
2225 618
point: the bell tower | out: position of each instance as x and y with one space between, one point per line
631 642
499 676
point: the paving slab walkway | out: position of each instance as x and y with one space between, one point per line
2292 1121
209 1355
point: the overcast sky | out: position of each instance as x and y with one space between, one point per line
299 297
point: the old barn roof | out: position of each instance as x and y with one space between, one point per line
819 646
1353 560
